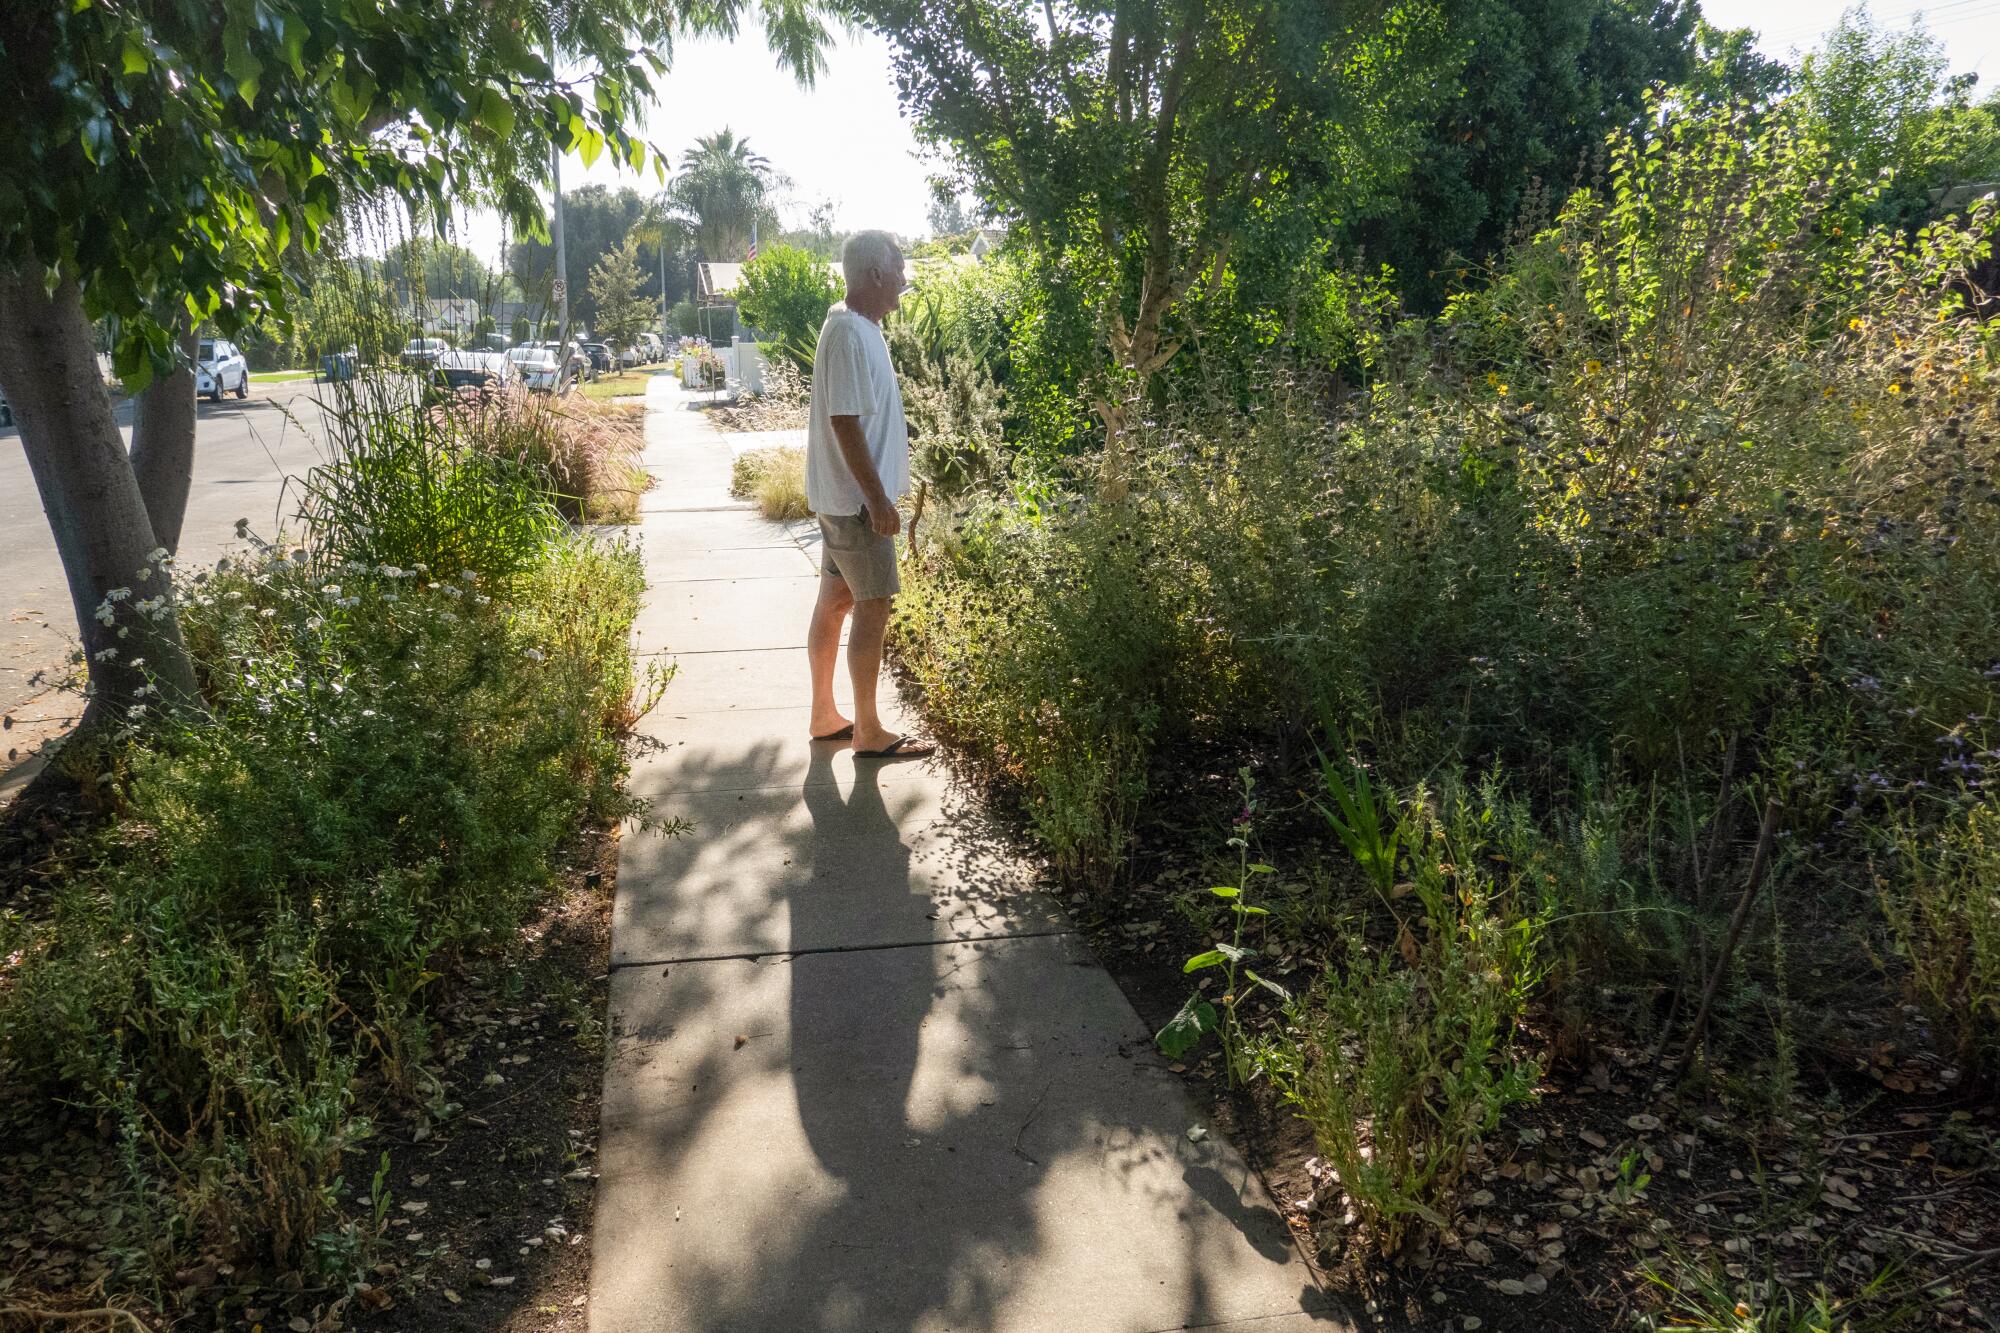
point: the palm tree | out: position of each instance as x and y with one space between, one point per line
724 187
723 151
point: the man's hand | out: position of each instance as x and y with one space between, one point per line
883 518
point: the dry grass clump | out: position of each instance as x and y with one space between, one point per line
783 405
775 479
588 450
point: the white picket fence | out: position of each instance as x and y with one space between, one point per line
742 369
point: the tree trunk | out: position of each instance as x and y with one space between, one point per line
124 609
163 442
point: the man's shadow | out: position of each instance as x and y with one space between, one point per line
853 1095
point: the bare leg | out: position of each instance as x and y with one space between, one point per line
823 649
864 664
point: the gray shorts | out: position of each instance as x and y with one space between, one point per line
854 552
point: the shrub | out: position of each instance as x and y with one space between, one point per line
248 960
785 295
775 479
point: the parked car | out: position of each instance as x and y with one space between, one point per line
651 349
219 367
600 356
628 356
497 342
476 371
540 369
423 353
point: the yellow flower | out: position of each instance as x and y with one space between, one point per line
1593 367
1854 324
1895 388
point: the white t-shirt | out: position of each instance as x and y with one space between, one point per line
853 377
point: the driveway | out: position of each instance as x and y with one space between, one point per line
245 454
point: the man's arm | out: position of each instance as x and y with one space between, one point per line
882 515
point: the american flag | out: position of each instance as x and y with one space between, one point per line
753 244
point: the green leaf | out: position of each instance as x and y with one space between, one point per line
1224 891
1213 958
136 61
1185 1028
1269 985
241 62
495 112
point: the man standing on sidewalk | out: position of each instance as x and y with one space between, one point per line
857 468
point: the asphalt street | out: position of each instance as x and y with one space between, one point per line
249 457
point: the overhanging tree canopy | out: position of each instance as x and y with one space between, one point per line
1148 133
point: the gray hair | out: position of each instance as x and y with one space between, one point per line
865 250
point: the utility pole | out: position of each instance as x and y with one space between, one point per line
562 257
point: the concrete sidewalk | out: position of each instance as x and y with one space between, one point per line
862 1077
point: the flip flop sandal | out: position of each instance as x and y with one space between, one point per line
845 733
900 748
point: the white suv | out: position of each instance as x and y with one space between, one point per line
218 367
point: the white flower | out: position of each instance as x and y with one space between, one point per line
331 590
157 555
314 622
367 712
104 655
268 612
388 596
136 711
143 574
117 594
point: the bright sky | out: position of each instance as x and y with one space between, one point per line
1970 29
845 139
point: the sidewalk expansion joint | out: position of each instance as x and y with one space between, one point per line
838 948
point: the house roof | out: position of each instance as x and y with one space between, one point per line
719 282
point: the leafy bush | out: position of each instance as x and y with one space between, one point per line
248 961
785 295
775 478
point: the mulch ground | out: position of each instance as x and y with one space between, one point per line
485 1209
